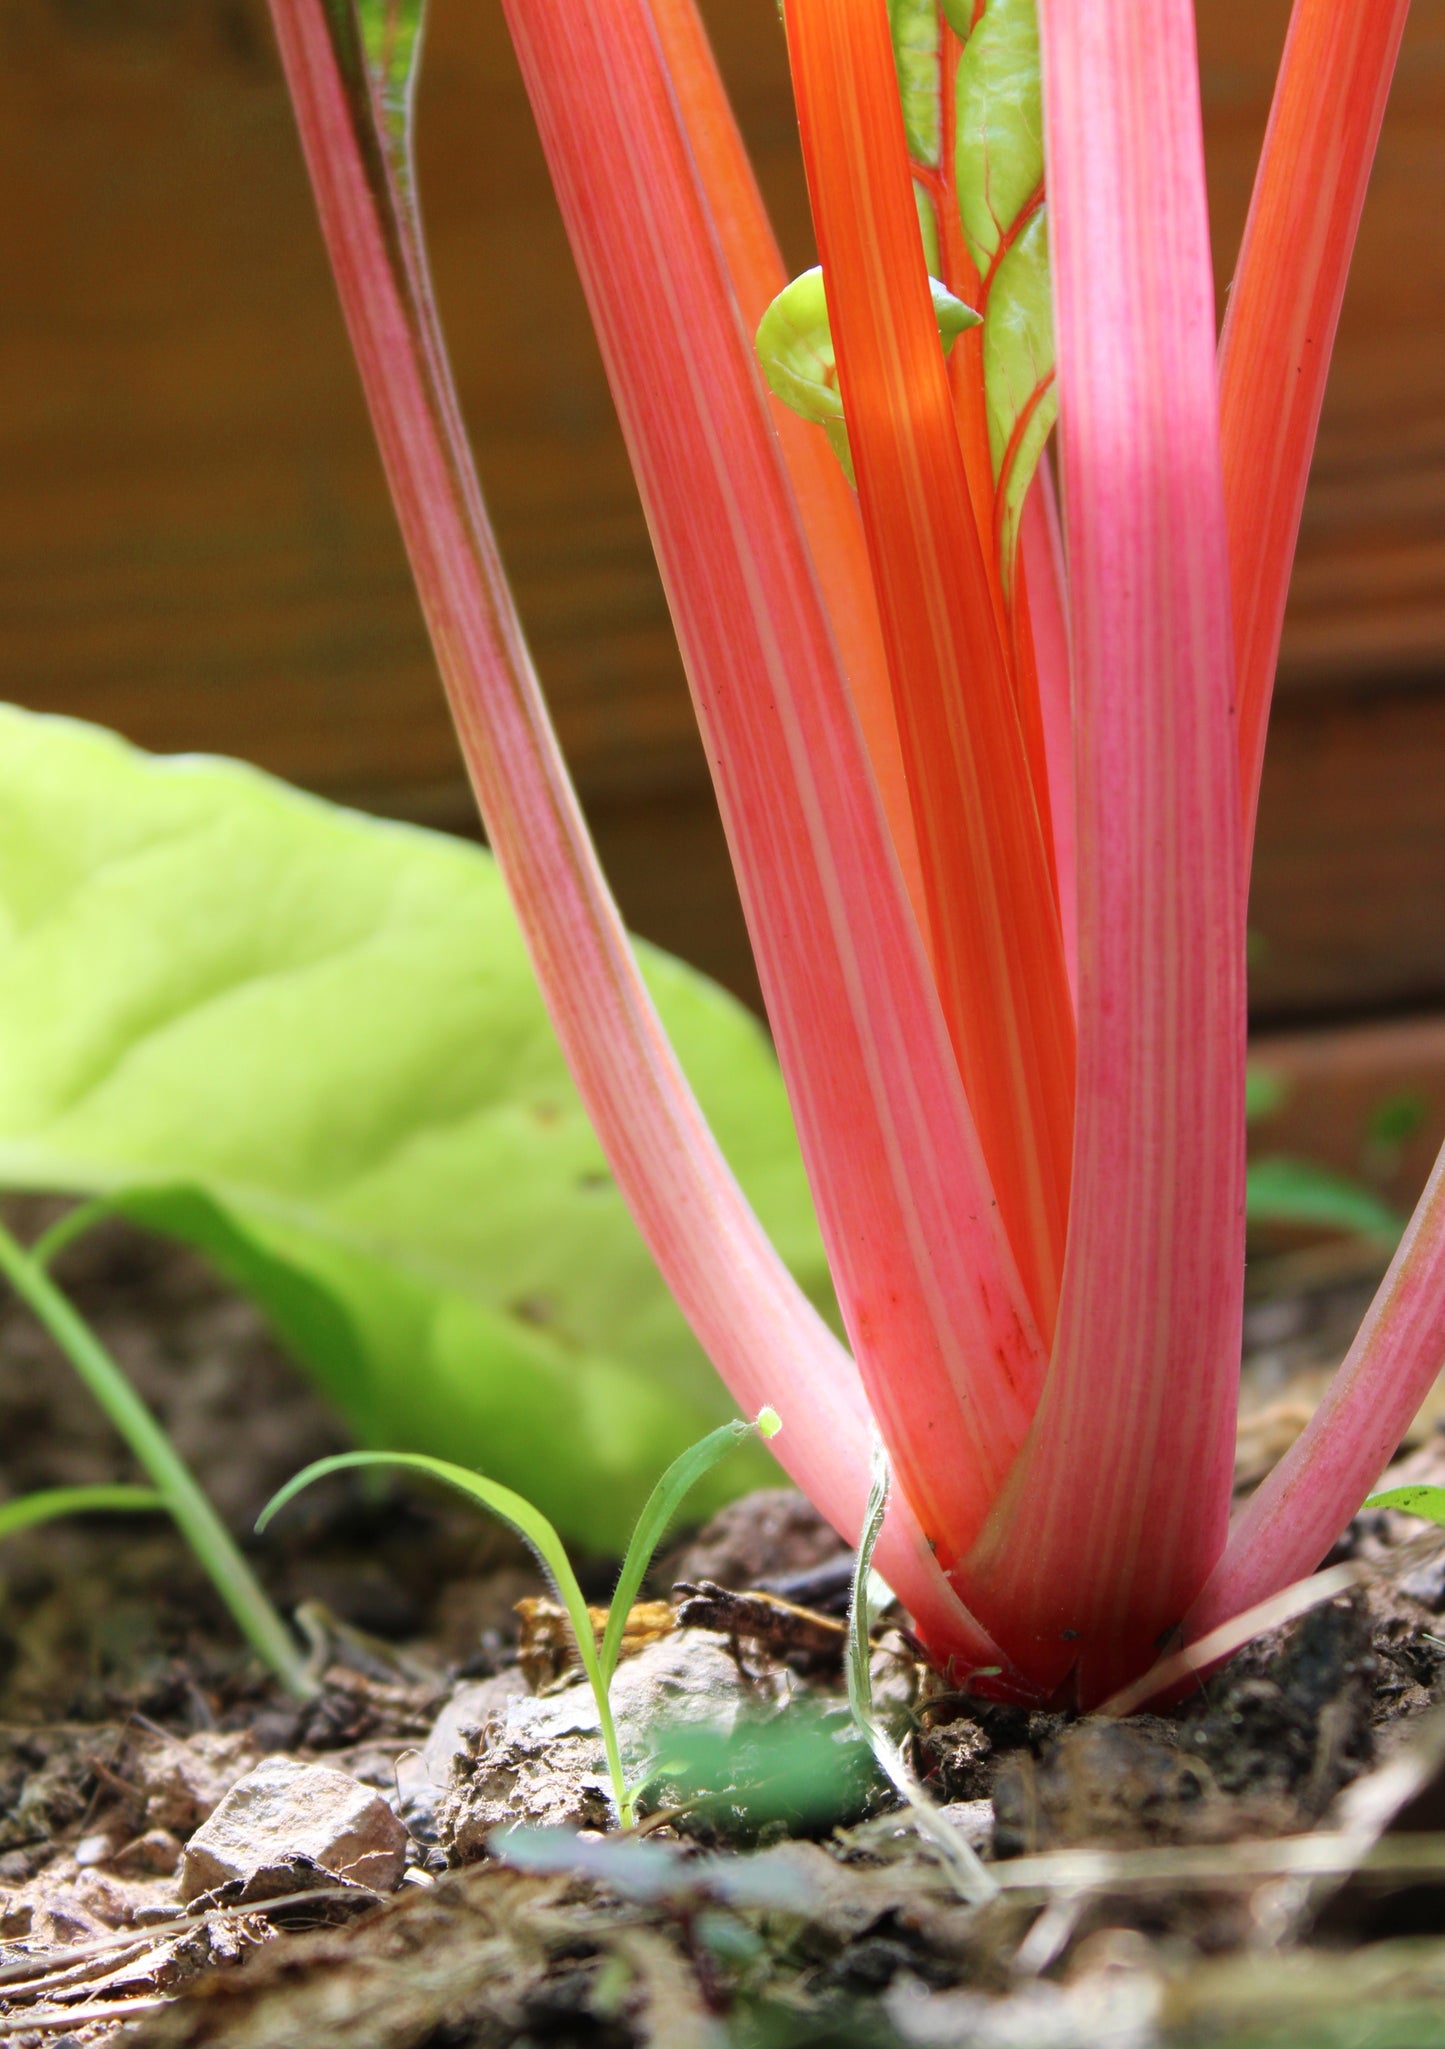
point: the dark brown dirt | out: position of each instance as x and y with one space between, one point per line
126 1706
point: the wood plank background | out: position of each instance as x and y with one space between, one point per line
196 545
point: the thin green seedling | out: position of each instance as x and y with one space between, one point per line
174 1483
77 1220
658 1511
599 1663
50 1502
967 1870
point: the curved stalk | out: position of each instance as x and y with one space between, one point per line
1284 308
1292 1519
1096 1546
749 1314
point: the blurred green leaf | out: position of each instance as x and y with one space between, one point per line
1264 1091
1398 1117
309 1043
1426 1502
1279 1190
391 35
807 1768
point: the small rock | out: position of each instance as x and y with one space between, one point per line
974 1821
93 1850
157 1852
185 1780
284 1812
540 1761
774 1531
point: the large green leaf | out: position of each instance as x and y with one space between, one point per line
309 1043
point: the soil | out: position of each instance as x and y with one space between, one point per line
1262 1865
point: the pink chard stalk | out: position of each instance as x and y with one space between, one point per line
987 753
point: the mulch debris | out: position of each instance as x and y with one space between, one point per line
1263 1865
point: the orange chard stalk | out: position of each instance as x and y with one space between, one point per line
993 915
826 506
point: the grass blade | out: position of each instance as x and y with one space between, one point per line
534 1530
658 1510
967 1869
198 1522
49 1502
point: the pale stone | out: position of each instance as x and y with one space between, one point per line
514 1758
283 1815
185 1779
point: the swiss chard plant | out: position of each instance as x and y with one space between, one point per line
986 726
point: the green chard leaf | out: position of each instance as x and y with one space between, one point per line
795 351
391 38
1018 374
916 43
999 137
309 1043
999 175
